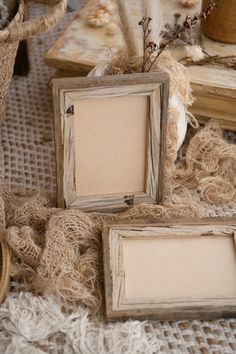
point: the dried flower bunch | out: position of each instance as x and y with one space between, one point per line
188 3
190 36
112 29
4 14
100 16
195 52
152 50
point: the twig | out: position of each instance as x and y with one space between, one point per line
227 61
146 31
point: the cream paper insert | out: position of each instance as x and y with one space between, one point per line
110 145
179 268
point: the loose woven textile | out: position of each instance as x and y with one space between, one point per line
56 323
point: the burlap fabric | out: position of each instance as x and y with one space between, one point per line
59 252
35 325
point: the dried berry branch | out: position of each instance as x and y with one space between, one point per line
189 36
146 32
152 51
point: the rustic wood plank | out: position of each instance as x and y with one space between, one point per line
58 145
74 50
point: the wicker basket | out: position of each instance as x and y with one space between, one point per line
18 30
4 266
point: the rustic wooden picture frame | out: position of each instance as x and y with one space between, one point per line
130 253
68 97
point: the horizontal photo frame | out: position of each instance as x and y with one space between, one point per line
110 140
171 270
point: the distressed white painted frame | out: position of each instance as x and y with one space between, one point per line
69 91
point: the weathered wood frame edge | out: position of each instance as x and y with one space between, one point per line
214 95
162 314
64 86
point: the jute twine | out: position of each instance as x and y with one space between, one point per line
18 30
4 265
60 251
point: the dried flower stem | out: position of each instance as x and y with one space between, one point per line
189 37
146 32
152 51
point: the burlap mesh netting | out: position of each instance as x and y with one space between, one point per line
60 251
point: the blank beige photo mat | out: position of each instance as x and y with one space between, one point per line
111 145
159 266
178 268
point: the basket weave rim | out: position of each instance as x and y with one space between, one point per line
19 15
5 269
18 30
